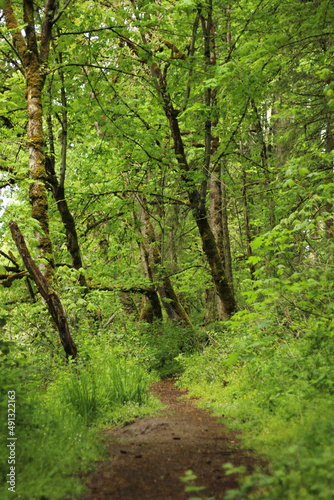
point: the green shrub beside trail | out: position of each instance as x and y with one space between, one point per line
278 391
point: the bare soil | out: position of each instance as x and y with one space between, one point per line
149 456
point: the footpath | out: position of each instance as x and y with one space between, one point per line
146 459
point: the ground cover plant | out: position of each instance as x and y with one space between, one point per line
166 203
59 419
278 391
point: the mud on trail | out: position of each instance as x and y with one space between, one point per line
149 456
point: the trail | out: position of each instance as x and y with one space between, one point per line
149 456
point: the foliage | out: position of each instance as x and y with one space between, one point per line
189 478
277 388
58 421
146 106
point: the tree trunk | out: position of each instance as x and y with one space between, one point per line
153 297
246 217
264 163
226 234
58 187
170 300
216 223
49 295
329 222
34 60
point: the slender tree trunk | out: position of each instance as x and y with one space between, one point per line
265 163
246 218
226 233
329 222
58 187
170 300
49 295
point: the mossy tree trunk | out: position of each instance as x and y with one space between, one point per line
34 58
197 198
151 252
49 295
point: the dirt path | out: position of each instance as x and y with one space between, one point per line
149 456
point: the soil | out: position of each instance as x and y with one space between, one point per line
148 457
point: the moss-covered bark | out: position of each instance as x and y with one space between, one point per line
51 298
34 60
172 304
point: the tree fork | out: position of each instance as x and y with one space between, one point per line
49 295
34 59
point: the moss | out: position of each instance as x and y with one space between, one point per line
11 24
38 190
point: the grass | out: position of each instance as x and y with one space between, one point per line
58 424
279 394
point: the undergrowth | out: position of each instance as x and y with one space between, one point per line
278 390
59 414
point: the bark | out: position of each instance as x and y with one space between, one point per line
49 295
169 298
58 186
226 235
34 60
329 222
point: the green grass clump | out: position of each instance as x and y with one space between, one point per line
96 391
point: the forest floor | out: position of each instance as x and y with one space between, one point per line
146 459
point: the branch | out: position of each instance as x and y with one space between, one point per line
56 18
131 289
243 30
11 24
50 8
110 320
233 134
96 66
49 295
11 258
6 280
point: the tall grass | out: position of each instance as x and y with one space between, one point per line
58 421
104 386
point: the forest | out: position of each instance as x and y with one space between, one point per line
166 204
